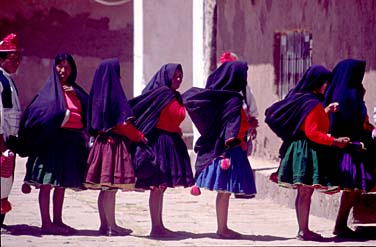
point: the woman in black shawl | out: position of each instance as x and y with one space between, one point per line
52 133
222 164
302 123
110 163
159 112
354 166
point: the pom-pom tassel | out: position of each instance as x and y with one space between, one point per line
195 190
225 163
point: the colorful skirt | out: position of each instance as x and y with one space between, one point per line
62 162
173 168
353 173
110 164
238 178
304 164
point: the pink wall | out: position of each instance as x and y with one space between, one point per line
340 30
88 30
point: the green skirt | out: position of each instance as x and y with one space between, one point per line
303 164
61 163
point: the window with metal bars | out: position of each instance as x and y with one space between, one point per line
292 57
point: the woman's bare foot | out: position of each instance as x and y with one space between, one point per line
69 230
52 229
161 232
308 236
114 231
228 234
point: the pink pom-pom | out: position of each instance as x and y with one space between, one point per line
195 191
26 189
225 163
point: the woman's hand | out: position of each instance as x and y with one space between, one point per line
341 142
332 107
145 140
253 122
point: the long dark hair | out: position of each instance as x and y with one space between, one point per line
66 56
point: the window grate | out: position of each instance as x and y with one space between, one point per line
292 57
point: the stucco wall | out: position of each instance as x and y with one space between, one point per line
340 30
168 39
88 30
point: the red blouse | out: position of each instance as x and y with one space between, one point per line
316 126
74 107
244 127
171 117
128 130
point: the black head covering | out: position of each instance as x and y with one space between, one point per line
346 88
230 76
312 79
286 116
108 104
215 110
163 77
45 113
155 96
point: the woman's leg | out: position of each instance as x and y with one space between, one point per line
348 199
108 201
58 201
222 204
156 210
302 208
102 216
44 205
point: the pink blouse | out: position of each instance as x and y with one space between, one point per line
74 106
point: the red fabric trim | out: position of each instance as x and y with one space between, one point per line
128 130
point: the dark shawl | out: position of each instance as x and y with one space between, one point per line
286 116
44 115
215 110
108 104
155 96
346 89
163 77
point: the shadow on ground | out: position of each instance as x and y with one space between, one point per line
35 231
368 233
181 235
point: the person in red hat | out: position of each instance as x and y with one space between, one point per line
251 110
10 111
251 107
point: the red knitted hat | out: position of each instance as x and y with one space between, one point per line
9 43
228 56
